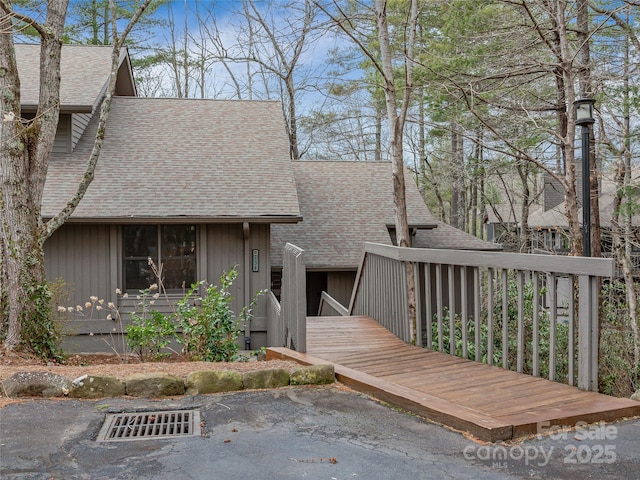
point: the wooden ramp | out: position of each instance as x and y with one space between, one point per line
489 402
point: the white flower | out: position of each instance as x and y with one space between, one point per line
111 306
70 309
109 317
91 334
79 308
152 302
126 295
101 301
156 296
137 297
9 116
93 298
153 286
118 291
61 308
87 305
98 308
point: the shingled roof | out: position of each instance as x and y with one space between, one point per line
345 204
177 159
84 73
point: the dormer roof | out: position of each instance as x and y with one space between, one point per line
84 75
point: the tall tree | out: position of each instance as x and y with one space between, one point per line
397 100
25 146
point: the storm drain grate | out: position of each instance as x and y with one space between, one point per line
119 427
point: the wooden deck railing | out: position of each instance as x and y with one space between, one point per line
513 310
294 300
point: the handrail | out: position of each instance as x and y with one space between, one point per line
333 303
600 267
275 328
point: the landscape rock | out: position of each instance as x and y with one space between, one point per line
97 386
269 378
313 375
36 384
636 396
213 381
158 384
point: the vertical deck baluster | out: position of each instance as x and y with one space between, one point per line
417 272
520 340
452 311
553 300
428 306
476 310
490 293
464 314
572 331
439 306
505 319
536 325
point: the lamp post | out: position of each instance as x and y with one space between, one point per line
584 118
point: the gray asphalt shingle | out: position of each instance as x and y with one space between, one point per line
345 204
177 158
84 71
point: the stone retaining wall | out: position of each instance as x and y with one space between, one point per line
154 385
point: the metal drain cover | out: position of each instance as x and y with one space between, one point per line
121 427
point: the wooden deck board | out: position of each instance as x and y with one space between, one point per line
487 401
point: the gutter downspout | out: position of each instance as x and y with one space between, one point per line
247 282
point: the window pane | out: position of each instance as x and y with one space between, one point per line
178 241
178 244
140 241
179 273
138 275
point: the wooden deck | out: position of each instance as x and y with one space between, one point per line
489 402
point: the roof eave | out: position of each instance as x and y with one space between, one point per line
64 108
130 219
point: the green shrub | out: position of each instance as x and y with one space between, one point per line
618 373
149 331
544 329
210 329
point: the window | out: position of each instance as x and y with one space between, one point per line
172 246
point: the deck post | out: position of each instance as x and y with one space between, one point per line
294 298
588 333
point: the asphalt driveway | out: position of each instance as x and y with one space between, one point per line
296 432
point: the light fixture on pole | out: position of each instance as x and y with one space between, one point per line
584 117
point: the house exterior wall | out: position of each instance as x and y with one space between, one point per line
340 285
62 142
88 257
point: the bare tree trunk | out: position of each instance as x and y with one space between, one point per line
378 147
24 151
621 224
396 124
525 234
24 154
457 188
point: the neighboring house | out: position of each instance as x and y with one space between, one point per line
193 184
343 205
548 224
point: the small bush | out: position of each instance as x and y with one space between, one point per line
149 331
210 329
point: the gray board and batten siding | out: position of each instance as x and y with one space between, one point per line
89 258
